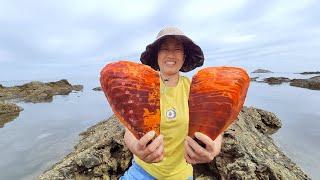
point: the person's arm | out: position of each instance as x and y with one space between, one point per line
195 154
150 153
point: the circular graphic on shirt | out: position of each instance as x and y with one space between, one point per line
171 114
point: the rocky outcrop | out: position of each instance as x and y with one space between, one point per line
253 78
100 154
311 83
276 80
97 89
8 112
36 91
261 71
7 108
248 152
314 72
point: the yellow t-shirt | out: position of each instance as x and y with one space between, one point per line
174 127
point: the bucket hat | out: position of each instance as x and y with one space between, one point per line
193 54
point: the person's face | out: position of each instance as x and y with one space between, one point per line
170 56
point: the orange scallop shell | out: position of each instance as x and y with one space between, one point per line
217 95
133 92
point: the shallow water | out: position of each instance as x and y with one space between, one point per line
298 109
45 132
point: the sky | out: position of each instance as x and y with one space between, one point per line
75 38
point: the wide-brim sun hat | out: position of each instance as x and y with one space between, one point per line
193 54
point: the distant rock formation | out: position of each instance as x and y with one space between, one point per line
97 89
276 80
311 83
314 72
253 78
36 91
261 71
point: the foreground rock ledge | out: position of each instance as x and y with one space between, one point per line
248 152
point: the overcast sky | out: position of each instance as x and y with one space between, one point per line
67 37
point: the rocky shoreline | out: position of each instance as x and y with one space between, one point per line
37 92
248 152
34 92
312 83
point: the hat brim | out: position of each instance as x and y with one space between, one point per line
194 56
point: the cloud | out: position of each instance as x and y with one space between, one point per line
204 10
5 56
93 32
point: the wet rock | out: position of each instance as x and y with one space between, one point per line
101 154
97 89
314 72
254 78
6 118
6 108
261 71
248 152
311 83
77 87
8 112
36 91
276 80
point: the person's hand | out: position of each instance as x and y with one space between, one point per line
150 153
195 154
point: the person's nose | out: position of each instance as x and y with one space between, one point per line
171 53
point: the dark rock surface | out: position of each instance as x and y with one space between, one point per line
8 112
97 89
276 80
254 78
314 72
311 83
248 152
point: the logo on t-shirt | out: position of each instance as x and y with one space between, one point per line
171 114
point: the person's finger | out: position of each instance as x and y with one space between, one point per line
188 159
200 151
191 153
158 159
206 140
154 155
155 144
145 139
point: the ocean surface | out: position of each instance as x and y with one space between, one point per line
45 132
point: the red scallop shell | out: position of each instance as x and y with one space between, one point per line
133 92
217 95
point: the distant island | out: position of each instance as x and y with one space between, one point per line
314 72
262 71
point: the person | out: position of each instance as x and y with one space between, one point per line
171 154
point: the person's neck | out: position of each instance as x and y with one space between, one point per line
170 80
